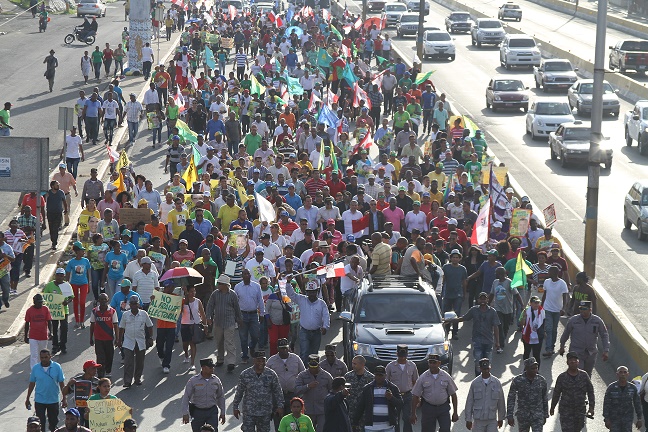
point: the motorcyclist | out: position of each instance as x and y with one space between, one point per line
42 18
84 28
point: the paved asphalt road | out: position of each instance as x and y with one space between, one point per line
620 255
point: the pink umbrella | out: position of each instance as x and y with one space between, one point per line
183 272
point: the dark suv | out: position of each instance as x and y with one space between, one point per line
395 310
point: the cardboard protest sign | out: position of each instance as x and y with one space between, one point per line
165 307
108 415
54 303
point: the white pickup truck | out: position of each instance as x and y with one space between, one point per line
636 126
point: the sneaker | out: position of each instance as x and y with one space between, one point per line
165 370
27 274
192 368
186 360
500 350
138 383
127 386
13 292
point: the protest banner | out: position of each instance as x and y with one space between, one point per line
549 214
108 415
520 222
165 307
87 228
131 216
500 174
227 43
54 303
238 239
82 392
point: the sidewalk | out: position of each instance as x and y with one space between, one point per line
12 319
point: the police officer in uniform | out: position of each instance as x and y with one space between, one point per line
403 373
356 379
313 385
204 398
331 363
621 399
434 389
583 330
485 407
287 365
259 390
574 390
530 391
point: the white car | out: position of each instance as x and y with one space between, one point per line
91 7
545 115
393 12
487 31
519 50
438 44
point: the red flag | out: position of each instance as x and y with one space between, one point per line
359 95
360 224
279 22
326 15
479 234
378 79
232 11
179 100
181 4
271 16
383 22
346 52
313 100
334 270
112 154
365 144
358 24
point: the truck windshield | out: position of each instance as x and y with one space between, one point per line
644 113
397 308
558 66
634 46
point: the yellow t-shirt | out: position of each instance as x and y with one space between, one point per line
438 197
177 220
397 167
440 178
227 214
415 196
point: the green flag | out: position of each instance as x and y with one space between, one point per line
294 88
323 58
336 32
422 77
381 60
256 87
521 271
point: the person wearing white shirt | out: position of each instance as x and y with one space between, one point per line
134 112
299 234
262 127
218 106
416 219
145 281
312 142
135 336
349 216
147 60
151 98
353 274
261 266
270 250
285 47
418 188
307 81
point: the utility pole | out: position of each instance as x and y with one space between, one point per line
364 11
594 166
419 33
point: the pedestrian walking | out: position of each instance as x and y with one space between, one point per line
331 363
529 390
135 337
193 315
575 392
67 179
51 63
107 58
203 400
17 239
251 302
379 403
621 404
287 366
6 258
60 327
38 328
554 300
312 385
86 66
87 377
532 322
110 110
223 313
47 379
259 393
77 272
403 373
433 391
314 319
336 410
296 420
485 406
5 115
97 60
485 330
56 207
166 331
134 113
104 327
358 377
503 298
583 332
91 114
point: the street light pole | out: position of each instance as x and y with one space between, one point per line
364 11
594 166
419 33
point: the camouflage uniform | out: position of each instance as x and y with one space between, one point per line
356 383
618 405
572 394
532 399
263 396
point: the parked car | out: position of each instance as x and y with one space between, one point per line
415 6
438 44
507 92
407 24
395 310
580 97
545 115
91 7
629 54
393 12
571 143
519 50
487 31
554 74
458 22
636 126
635 209
510 10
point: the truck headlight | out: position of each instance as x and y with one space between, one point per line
525 98
362 349
497 98
539 122
439 349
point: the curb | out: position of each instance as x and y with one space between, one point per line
11 335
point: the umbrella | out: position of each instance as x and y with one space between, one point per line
193 20
371 21
194 277
297 30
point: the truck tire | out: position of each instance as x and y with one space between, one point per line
628 138
641 235
627 223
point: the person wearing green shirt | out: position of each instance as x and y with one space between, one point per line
60 286
97 61
5 115
206 214
103 388
474 167
172 111
246 83
252 140
479 143
405 82
400 118
414 109
296 420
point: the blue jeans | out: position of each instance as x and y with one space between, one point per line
263 333
453 305
97 70
5 286
480 351
551 329
249 327
73 166
96 283
309 343
14 274
92 128
5 132
109 128
157 132
164 344
133 128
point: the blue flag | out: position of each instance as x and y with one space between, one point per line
323 58
348 75
289 16
210 61
328 117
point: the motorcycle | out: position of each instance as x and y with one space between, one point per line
42 23
77 35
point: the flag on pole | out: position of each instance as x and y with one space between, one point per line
481 228
194 81
337 33
323 58
326 15
347 28
112 154
449 188
348 75
313 100
497 197
181 4
232 11
266 212
123 161
271 16
360 224
358 24
191 174
378 78
359 95
279 22
327 116
422 77
470 125
179 101
383 22
334 270
346 11
256 87
522 270
365 144
241 193
119 184
346 52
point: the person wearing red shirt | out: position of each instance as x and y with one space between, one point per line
335 184
30 200
107 58
330 229
441 221
287 226
38 327
462 238
103 328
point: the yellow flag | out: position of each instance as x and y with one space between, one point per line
242 193
191 174
123 161
119 184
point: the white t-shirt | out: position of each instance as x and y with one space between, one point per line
271 252
110 108
72 144
147 54
258 269
345 283
553 295
348 219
